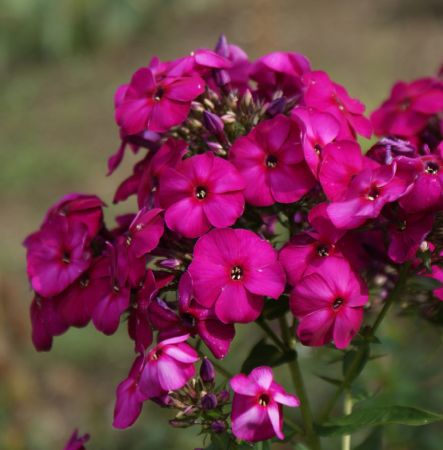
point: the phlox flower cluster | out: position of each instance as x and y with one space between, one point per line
251 188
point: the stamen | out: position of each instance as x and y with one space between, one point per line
200 192
322 250
271 162
236 273
264 400
432 168
337 303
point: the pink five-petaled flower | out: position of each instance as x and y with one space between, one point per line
257 405
233 269
271 161
168 366
57 255
329 307
203 191
156 105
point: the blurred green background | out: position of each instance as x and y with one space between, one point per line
60 62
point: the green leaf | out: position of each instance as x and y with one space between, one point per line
334 381
373 416
266 354
349 358
422 283
374 441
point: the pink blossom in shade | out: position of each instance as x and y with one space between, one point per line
307 251
232 269
79 208
320 129
280 71
257 406
129 398
46 322
168 366
329 307
156 104
139 320
329 97
77 302
406 233
367 194
76 442
203 191
270 159
426 193
115 298
407 111
57 255
145 232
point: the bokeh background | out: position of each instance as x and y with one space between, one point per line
60 62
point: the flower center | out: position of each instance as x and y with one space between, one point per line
264 400
159 94
236 273
156 355
373 193
322 250
200 192
405 104
271 162
337 303
432 168
402 226
84 282
66 257
317 148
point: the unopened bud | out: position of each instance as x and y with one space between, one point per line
213 123
222 78
223 396
170 263
207 371
218 426
209 401
276 107
222 47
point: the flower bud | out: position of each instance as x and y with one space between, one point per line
222 78
207 371
218 426
276 107
223 396
222 47
209 401
213 123
170 263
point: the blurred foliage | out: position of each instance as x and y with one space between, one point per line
64 59
32 30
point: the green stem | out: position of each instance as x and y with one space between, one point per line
351 373
299 385
347 409
268 330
